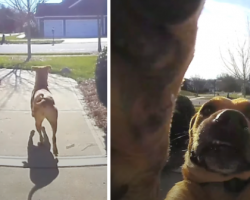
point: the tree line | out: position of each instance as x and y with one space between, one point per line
11 20
223 83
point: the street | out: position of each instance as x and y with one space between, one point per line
88 47
199 101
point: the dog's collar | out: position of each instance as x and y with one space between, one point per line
234 185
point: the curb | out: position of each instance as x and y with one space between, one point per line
63 162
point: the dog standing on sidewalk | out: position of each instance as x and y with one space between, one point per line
43 104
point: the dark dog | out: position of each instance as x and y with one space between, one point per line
152 45
217 162
43 105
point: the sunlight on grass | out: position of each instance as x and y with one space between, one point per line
83 67
186 93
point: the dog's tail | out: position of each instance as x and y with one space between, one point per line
32 191
42 100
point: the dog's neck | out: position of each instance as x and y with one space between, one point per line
41 83
233 186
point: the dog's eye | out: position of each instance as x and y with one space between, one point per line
207 110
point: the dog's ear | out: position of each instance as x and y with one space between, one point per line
48 68
191 124
192 121
34 68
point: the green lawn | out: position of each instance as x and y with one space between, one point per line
186 93
197 108
82 66
13 37
14 40
34 41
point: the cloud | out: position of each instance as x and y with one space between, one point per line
220 26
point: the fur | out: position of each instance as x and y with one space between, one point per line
202 182
152 45
43 104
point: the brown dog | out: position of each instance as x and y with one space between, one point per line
152 45
217 162
43 105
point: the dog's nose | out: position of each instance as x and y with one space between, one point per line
229 118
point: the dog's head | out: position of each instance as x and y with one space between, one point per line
219 141
41 74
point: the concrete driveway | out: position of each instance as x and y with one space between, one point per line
80 144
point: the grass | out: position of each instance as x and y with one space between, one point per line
46 54
13 37
14 40
34 41
82 67
196 108
186 93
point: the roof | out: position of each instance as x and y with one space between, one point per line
74 8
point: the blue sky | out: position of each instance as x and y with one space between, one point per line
222 24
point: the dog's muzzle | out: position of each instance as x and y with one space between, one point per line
223 143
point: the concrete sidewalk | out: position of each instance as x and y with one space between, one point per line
88 183
83 40
80 144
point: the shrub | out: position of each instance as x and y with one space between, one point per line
184 111
101 76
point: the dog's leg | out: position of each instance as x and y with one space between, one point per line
54 128
52 118
152 45
39 129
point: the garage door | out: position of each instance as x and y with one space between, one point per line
57 25
82 28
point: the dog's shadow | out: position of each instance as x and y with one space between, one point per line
42 164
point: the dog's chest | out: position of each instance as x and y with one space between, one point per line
216 191
224 191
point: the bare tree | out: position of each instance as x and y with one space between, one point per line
29 8
238 61
198 83
228 83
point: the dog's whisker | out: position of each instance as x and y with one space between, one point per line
178 137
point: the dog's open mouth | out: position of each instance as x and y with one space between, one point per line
220 157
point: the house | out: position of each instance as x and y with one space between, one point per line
72 19
187 85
